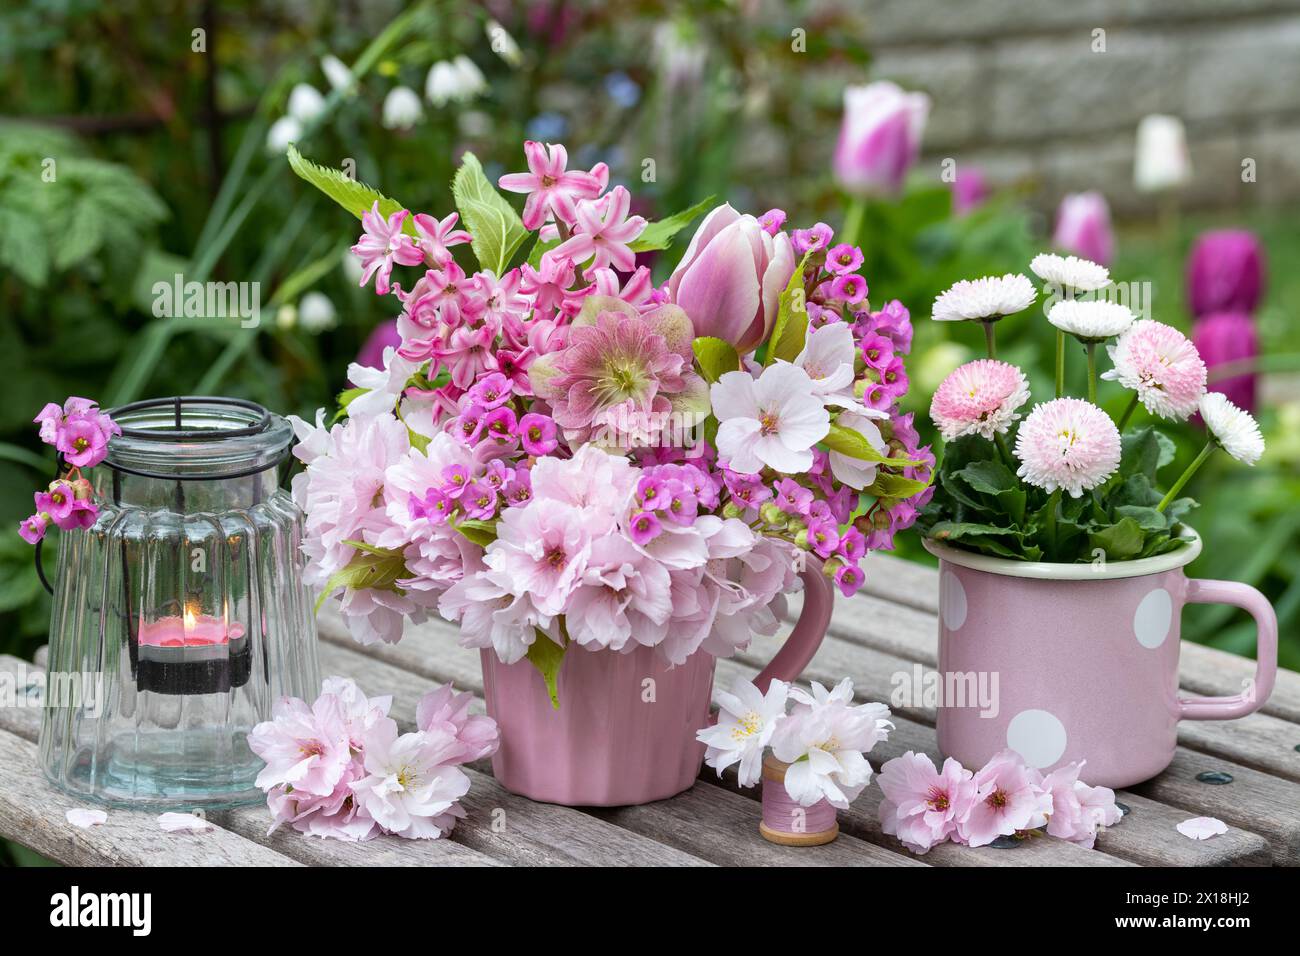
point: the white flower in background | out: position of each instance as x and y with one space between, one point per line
1161 161
746 722
503 44
353 269
773 420
984 300
286 317
1070 272
473 83
1234 429
337 73
283 131
402 108
824 740
1089 320
305 103
316 312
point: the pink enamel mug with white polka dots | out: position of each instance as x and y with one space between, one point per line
1066 662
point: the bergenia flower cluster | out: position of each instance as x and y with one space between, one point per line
80 432
566 452
1070 446
924 807
821 734
340 768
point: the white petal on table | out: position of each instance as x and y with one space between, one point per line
1202 828
183 822
81 817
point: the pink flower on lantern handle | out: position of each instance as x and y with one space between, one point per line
551 187
772 221
843 259
602 233
32 529
383 244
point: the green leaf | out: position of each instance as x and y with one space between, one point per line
1121 541
547 656
357 198
1147 518
895 486
848 441
375 568
1167 449
1140 453
715 356
790 330
490 219
659 235
479 532
996 479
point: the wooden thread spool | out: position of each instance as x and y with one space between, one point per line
784 820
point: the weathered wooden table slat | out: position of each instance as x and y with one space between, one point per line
887 630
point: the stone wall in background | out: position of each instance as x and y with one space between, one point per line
1019 91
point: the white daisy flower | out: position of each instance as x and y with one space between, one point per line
1233 428
1070 272
402 108
1089 320
984 300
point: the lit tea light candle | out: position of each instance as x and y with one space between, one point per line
191 653
190 630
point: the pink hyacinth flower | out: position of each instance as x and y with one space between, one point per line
383 244
434 236
551 187
603 231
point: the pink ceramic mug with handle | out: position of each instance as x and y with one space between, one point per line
1079 662
611 742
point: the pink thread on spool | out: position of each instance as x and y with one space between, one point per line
786 821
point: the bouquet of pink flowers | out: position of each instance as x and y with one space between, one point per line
561 453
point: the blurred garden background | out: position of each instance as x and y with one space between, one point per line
143 141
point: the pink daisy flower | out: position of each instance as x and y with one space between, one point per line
979 398
1161 365
1067 443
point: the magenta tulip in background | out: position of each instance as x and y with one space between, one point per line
880 137
969 189
1083 227
1225 272
730 280
1228 337
381 337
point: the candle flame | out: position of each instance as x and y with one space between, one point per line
190 618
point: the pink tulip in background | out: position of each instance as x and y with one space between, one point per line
970 188
381 337
880 137
1225 272
1225 337
1083 227
731 278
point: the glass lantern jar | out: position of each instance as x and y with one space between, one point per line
181 615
